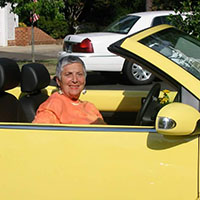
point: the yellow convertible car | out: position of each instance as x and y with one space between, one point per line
148 150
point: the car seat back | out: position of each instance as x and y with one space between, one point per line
34 78
9 78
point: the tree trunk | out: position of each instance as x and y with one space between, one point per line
149 5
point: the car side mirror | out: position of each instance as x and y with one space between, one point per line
177 119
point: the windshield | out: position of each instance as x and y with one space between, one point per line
122 25
177 46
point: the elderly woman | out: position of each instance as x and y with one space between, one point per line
64 106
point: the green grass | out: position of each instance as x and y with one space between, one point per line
50 64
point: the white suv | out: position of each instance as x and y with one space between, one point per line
92 47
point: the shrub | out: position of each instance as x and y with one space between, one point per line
21 24
190 23
56 28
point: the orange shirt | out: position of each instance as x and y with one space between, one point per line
59 109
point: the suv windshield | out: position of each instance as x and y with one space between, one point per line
177 46
122 25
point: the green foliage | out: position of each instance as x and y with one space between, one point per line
52 19
165 5
2 3
190 9
94 15
60 17
191 12
51 9
56 28
72 10
23 8
21 24
100 13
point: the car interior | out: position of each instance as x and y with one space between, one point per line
126 108
34 78
9 78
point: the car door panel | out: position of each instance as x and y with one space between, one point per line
95 162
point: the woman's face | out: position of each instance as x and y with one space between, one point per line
72 80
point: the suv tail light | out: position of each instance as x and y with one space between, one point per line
84 47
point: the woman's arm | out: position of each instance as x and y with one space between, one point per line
47 117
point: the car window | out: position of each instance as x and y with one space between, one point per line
178 47
161 20
122 25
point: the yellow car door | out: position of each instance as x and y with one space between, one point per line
96 162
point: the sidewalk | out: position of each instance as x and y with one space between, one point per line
24 53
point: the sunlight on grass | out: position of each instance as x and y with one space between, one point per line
50 64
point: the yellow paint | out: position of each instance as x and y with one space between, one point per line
149 32
49 165
115 100
185 117
15 91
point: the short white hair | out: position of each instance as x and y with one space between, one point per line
66 60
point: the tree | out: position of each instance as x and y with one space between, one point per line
73 9
190 9
93 15
3 3
149 5
67 15
22 8
164 5
99 13
48 8
52 19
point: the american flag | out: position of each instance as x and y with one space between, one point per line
35 17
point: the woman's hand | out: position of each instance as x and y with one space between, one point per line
99 121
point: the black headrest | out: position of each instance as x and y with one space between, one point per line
9 74
34 77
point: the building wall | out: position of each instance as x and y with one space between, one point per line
8 22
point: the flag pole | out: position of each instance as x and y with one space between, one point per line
33 18
32 43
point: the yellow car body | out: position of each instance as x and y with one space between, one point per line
115 161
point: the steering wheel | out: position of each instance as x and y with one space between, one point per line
151 97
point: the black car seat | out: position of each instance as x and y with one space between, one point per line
34 78
9 79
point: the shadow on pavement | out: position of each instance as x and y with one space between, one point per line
98 78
